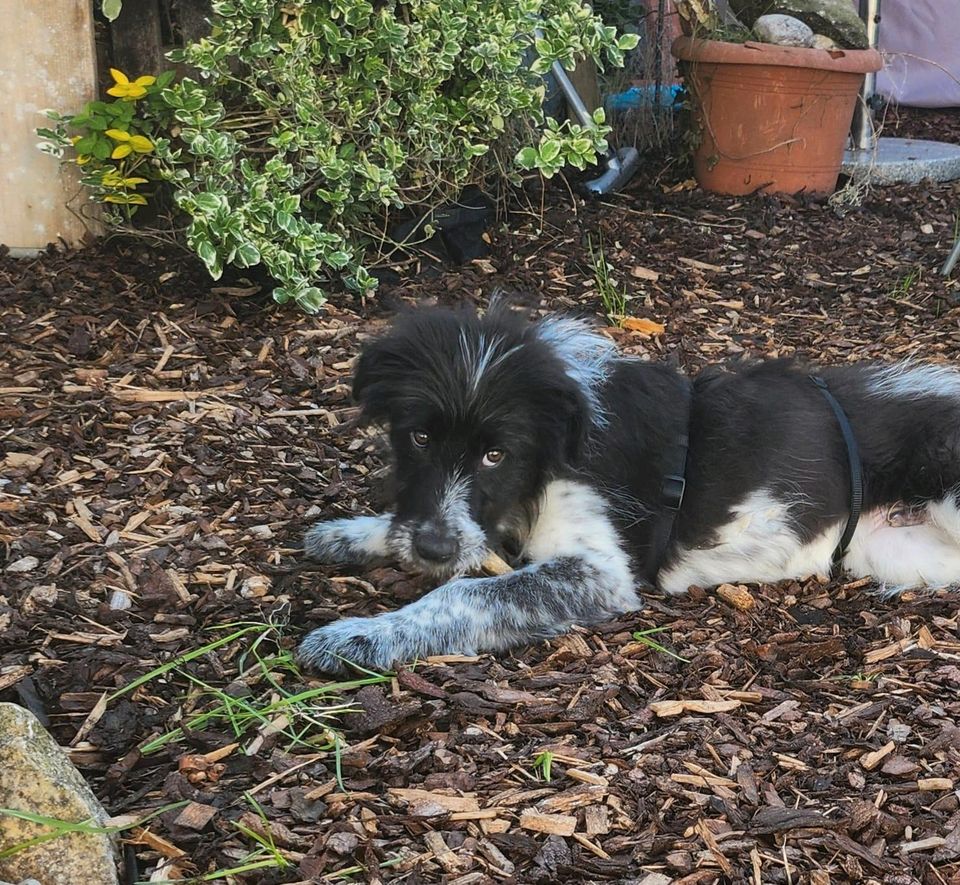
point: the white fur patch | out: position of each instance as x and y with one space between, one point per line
454 515
758 544
481 356
910 380
574 520
900 557
586 355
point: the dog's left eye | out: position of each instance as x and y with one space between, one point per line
421 439
493 457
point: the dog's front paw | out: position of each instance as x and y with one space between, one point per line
357 539
324 542
365 642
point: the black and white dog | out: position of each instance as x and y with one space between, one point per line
542 443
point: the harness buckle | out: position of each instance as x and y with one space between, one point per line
672 491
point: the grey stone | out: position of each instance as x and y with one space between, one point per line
836 19
904 160
783 30
36 777
822 41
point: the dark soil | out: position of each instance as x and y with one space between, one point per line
166 442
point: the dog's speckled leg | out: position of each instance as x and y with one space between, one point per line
471 615
358 539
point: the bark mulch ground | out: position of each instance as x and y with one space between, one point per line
164 443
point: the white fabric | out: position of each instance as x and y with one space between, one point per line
920 41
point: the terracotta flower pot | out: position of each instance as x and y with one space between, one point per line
773 118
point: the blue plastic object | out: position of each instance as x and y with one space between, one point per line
644 96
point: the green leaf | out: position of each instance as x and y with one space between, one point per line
310 298
207 202
286 222
111 9
247 255
550 150
527 158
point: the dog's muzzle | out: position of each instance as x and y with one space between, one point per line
435 546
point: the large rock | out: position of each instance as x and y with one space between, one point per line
783 30
837 19
35 776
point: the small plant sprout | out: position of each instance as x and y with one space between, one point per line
543 765
644 636
613 297
904 285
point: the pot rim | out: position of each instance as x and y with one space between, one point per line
852 61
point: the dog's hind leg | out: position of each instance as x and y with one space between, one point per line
919 550
356 539
471 615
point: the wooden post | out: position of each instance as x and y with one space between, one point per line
137 39
47 60
584 79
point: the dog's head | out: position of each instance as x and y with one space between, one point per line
482 412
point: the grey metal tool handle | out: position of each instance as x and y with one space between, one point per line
568 89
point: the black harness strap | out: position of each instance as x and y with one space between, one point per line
856 470
674 486
672 489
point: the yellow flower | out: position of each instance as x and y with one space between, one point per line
115 179
126 199
126 90
128 143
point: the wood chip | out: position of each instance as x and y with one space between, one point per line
644 273
713 847
700 265
643 326
587 777
596 820
871 760
195 816
887 651
736 595
143 836
590 846
664 709
83 520
572 799
928 844
22 461
441 851
553 824
450 803
934 784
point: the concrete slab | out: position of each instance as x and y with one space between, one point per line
904 160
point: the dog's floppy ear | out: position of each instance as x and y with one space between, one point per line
564 421
374 379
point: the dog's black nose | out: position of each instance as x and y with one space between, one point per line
433 546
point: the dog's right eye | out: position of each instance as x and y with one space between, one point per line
421 439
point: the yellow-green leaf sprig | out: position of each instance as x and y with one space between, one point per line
114 142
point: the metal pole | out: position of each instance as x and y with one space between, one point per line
952 258
862 130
